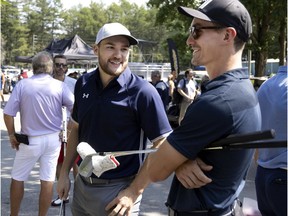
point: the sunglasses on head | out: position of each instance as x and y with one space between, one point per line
58 65
195 31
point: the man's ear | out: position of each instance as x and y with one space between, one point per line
230 34
95 49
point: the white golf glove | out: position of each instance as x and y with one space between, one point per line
102 164
94 163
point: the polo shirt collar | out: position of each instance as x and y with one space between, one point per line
240 73
122 79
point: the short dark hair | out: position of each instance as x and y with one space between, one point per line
188 71
156 73
59 56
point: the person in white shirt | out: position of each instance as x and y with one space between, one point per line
187 88
60 69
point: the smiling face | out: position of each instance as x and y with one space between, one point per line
204 41
113 55
60 68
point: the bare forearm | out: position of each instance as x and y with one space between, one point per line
164 162
141 181
181 92
9 122
71 151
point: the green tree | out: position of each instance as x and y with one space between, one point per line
42 18
176 26
13 33
141 22
86 21
28 26
2 50
269 27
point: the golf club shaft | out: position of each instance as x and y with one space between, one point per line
123 153
251 145
237 141
241 138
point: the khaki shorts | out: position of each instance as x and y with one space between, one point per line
44 149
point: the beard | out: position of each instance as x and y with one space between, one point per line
60 72
111 68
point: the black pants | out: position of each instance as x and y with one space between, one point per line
271 190
234 210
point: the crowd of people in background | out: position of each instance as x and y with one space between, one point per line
116 110
164 88
12 77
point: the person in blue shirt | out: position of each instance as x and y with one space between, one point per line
227 105
271 175
114 110
161 87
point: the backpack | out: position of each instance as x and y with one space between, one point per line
177 97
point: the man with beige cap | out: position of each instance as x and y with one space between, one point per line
114 110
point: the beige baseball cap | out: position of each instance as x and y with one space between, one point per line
114 29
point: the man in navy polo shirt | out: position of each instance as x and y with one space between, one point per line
228 105
114 110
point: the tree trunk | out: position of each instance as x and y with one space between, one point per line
260 66
282 44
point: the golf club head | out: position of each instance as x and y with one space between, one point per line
86 167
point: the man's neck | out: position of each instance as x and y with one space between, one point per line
61 78
220 67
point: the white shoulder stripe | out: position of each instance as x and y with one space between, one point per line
205 4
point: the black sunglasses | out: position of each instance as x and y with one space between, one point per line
58 65
196 33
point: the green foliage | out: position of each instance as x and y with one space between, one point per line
159 20
13 33
269 19
269 25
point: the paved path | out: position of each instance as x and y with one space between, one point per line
153 200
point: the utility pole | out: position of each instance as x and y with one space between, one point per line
34 40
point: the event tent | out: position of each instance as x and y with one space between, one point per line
75 49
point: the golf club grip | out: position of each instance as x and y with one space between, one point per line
251 145
242 138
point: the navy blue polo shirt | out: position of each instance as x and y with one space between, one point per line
119 117
163 90
227 105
